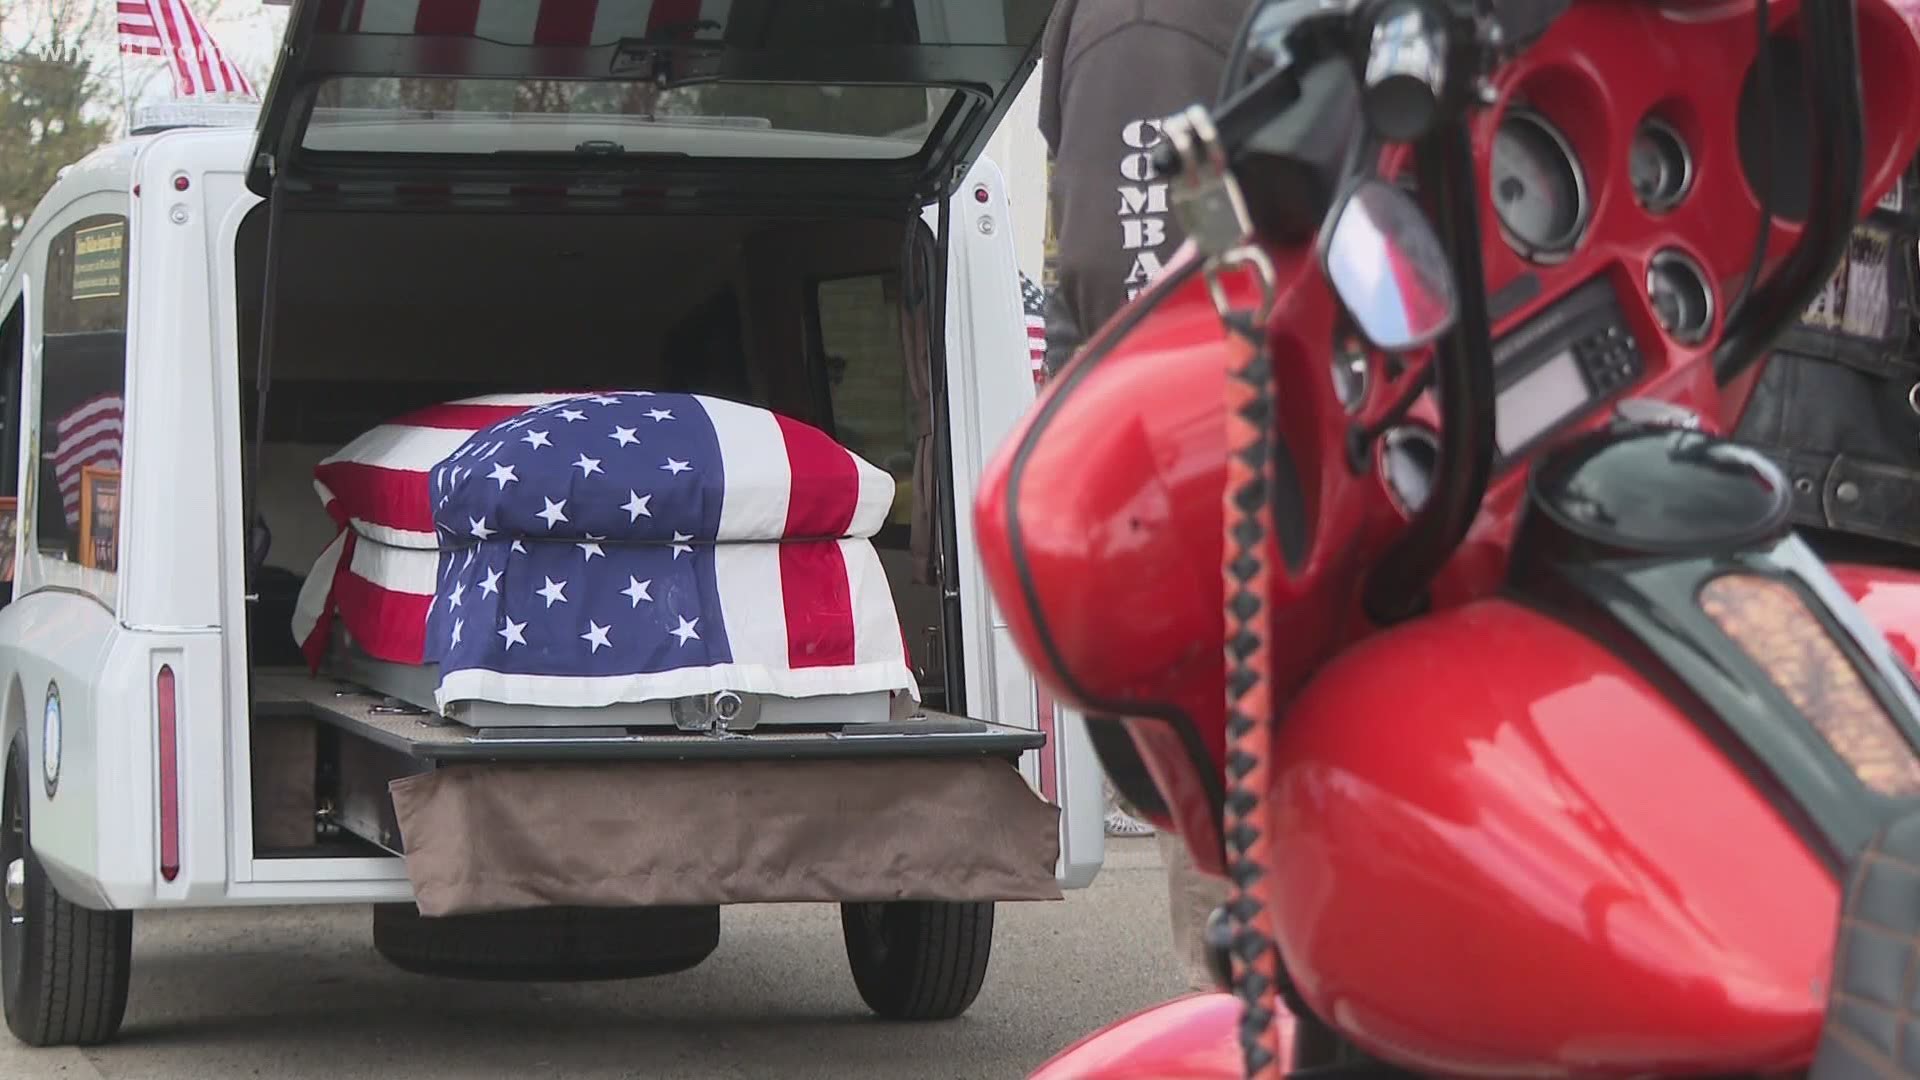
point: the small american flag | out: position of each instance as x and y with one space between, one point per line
584 550
169 29
1034 299
88 434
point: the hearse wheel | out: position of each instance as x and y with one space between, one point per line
557 944
63 968
917 959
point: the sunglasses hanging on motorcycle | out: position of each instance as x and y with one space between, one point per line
1311 96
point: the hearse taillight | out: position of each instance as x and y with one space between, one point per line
169 775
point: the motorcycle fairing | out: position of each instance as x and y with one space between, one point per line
1103 517
1190 773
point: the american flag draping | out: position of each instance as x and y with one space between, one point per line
585 550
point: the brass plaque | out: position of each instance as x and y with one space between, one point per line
98 260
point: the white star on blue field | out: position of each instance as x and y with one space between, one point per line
579 536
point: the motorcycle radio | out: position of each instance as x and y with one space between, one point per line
1558 364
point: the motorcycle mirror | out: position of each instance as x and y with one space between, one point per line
1388 267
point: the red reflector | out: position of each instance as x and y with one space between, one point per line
169 777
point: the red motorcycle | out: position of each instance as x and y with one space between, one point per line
1546 747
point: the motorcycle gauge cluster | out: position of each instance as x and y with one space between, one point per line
1682 299
1539 190
1660 166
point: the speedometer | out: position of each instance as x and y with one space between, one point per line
1539 191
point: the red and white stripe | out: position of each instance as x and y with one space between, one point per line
381 483
519 22
383 589
89 434
170 29
1037 346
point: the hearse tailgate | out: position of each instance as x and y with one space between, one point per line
501 819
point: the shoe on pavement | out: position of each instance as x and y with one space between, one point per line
1121 823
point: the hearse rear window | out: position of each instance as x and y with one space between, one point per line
876 99
506 116
83 380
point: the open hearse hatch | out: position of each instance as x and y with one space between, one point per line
876 100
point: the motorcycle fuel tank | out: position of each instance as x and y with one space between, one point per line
1509 854
1595 827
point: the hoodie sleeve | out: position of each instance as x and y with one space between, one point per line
1114 227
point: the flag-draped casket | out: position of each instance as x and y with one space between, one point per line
608 548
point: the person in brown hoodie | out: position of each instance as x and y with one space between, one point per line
1110 71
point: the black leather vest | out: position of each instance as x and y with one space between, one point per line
1838 403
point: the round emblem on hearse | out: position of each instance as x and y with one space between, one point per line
1660 491
50 741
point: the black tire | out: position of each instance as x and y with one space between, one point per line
558 944
918 960
63 968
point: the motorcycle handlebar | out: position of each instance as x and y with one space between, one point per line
1405 71
1463 381
1839 132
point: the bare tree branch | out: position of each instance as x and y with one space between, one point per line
50 97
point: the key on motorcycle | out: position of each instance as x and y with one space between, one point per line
1205 196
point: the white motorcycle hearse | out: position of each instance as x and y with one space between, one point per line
199 317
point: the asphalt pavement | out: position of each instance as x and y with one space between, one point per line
299 993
